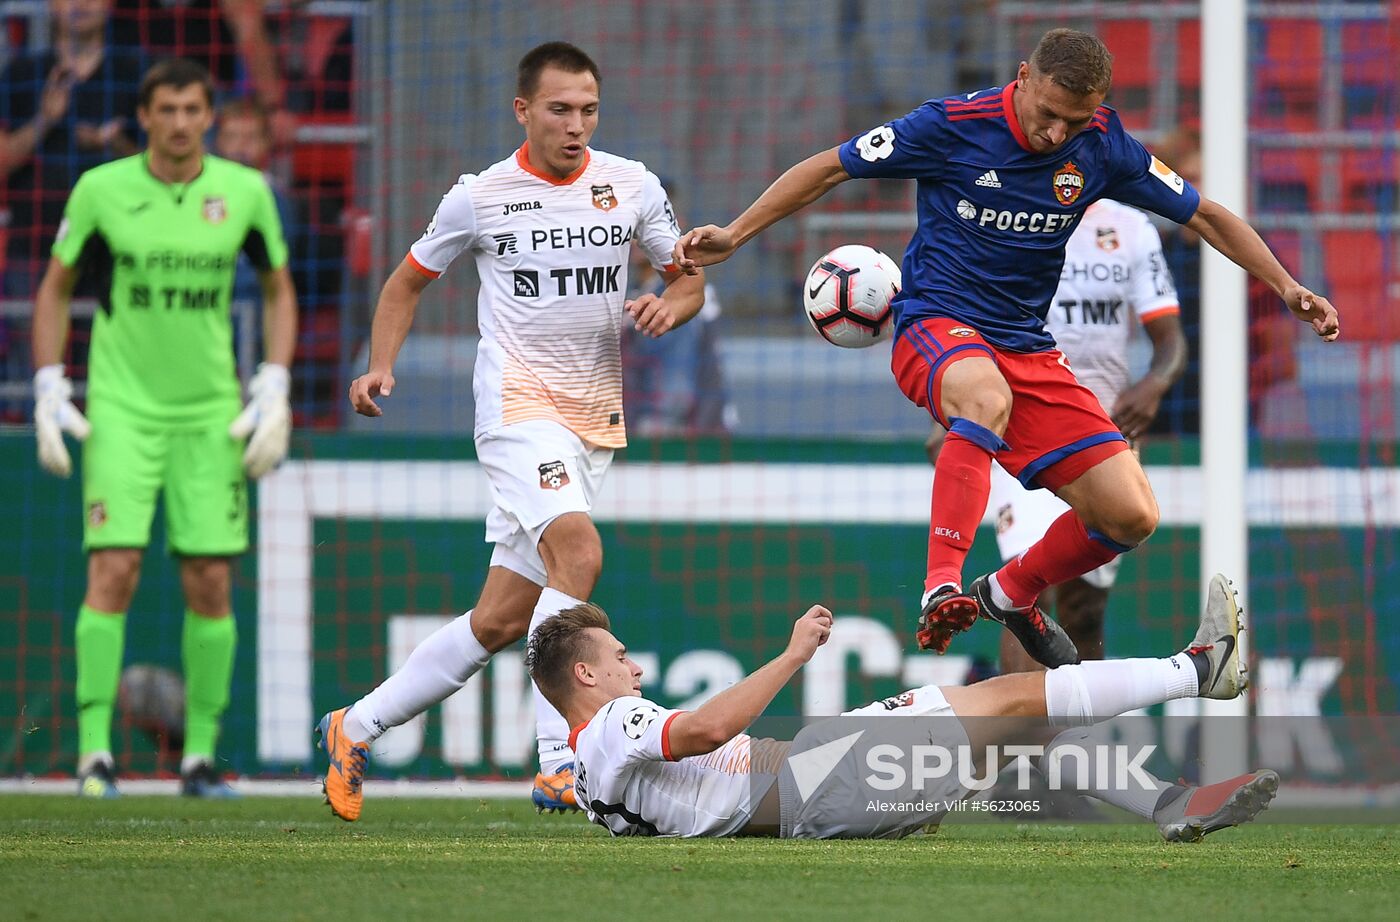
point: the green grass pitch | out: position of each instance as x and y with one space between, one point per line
156 858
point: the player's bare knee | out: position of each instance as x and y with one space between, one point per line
498 627
112 577
989 408
1137 521
207 583
572 552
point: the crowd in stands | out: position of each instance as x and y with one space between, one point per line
69 103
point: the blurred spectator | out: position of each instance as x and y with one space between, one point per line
1271 333
1181 407
244 135
317 57
62 111
673 385
227 36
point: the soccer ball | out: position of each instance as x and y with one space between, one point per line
847 296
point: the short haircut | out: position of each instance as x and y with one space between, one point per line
246 108
559 643
1075 60
178 73
566 57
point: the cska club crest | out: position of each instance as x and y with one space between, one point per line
1068 182
1107 238
604 198
214 209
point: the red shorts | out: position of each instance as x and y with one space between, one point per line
1058 429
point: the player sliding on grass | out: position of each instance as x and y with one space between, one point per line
550 229
641 769
1004 176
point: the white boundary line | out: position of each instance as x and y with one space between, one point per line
284 787
1290 796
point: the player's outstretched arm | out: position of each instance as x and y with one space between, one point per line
799 187
727 714
655 315
1232 236
393 316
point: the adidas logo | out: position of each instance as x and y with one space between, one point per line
989 179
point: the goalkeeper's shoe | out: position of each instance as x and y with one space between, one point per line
943 612
1042 637
203 780
555 792
345 775
1218 640
1200 811
98 780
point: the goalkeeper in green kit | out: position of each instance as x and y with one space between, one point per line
159 234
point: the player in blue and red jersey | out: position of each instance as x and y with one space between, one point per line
1004 176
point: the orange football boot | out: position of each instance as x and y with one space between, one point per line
345 777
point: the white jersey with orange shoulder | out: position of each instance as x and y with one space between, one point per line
552 255
626 780
1114 278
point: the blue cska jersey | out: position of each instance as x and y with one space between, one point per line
994 217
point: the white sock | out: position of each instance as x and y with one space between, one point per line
1079 695
551 729
190 763
999 597
1099 778
436 668
89 761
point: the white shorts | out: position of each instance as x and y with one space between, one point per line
838 808
538 471
1023 516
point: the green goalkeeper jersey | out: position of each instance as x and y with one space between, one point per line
163 257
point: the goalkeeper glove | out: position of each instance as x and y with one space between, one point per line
55 414
267 418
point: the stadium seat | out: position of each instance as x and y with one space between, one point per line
1287 180
1130 41
1364 284
1287 74
1288 247
1369 181
1369 52
324 162
1188 72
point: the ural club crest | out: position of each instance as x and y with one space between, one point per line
604 198
1068 182
1005 519
553 475
214 209
1107 239
901 700
97 513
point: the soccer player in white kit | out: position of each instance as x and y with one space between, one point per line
550 228
1114 279
642 769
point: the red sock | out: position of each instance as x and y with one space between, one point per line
962 481
1067 550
